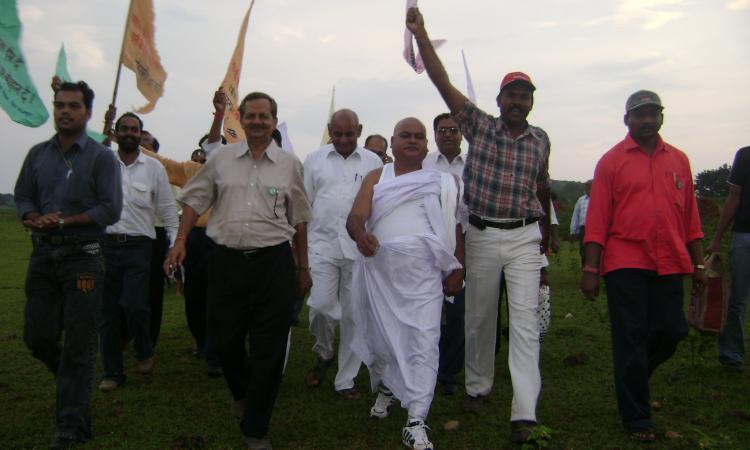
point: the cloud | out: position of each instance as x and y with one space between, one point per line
31 13
652 14
738 5
284 33
81 44
547 24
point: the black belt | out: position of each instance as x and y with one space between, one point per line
482 224
62 239
123 238
251 252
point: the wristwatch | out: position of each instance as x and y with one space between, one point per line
60 223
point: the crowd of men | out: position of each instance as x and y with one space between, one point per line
405 255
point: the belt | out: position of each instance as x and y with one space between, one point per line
123 238
251 252
482 224
62 239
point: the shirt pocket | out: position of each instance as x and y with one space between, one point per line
140 194
274 197
676 189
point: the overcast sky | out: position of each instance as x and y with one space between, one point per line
585 57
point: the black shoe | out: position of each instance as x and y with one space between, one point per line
520 431
448 388
63 440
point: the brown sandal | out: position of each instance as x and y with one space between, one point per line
644 436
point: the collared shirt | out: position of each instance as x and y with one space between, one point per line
145 193
578 219
502 174
86 179
642 209
439 162
256 203
332 182
740 176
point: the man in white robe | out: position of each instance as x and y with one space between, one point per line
405 222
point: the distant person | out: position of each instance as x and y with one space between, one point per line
378 145
149 141
643 234
333 175
67 192
449 159
253 281
736 209
406 223
578 219
507 187
199 156
128 248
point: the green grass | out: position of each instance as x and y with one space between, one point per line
179 407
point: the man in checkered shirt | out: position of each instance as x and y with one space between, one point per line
507 193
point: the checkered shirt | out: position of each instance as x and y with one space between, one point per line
502 174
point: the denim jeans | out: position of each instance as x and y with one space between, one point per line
125 288
63 292
732 339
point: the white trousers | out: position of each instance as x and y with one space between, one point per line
489 253
329 302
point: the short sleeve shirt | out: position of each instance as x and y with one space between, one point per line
502 174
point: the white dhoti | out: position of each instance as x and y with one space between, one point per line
397 294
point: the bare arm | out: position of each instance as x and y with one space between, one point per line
367 244
220 105
544 197
452 96
452 283
727 215
695 249
177 253
590 278
304 282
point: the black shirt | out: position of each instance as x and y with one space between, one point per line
740 176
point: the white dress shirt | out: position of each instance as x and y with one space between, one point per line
146 193
332 182
579 214
438 161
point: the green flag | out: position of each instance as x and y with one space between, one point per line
61 72
18 96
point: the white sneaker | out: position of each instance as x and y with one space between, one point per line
382 406
414 436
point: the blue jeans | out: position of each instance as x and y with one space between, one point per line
63 292
732 339
125 288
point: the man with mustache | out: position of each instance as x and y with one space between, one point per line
407 226
127 252
67 192
259 204
643 234
378 145
507 192
333 175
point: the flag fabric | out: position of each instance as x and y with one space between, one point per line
412 58
139 53
331 109
18 95
232 127
286 143
469 85
61 72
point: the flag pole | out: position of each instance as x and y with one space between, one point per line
108 120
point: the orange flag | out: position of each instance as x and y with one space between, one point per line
232 128
139 53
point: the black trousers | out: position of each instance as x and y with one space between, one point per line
199 250
156 281
250 301
452 341
647 320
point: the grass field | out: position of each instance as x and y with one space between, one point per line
180 407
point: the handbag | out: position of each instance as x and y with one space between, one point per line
708 310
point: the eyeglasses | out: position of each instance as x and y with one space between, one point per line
445 130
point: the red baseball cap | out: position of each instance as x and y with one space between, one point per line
512 77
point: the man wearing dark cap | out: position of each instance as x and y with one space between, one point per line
643 234
507 193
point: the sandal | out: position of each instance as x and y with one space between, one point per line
314 377
643 436
349 394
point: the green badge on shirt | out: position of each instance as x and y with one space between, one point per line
272 191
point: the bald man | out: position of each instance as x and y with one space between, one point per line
333 175
405 222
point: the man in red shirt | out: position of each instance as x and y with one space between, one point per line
643 234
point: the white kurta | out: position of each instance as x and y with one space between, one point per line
397 294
